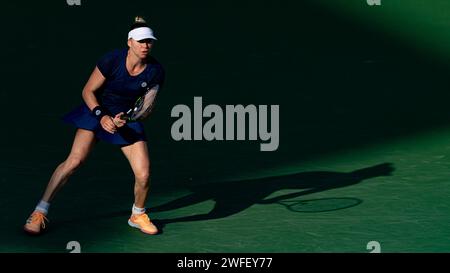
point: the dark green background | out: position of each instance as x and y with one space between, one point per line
357 86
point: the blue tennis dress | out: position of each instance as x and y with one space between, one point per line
118 94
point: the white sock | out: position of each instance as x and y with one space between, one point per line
137 210
43 207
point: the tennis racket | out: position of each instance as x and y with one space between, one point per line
143 105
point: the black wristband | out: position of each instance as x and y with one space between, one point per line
98 112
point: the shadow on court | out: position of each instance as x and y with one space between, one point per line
232 197
236 196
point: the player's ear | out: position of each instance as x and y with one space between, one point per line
129 42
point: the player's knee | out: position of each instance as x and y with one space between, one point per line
72 164
142 177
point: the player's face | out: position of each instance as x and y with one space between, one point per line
141 48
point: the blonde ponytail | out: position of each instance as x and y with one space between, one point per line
139 19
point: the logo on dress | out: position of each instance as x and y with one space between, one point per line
143 84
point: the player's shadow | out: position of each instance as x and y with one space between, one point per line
232 197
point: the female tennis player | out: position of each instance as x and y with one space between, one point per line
118 79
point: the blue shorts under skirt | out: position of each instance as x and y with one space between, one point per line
82 118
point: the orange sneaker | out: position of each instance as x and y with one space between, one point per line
35 223
142 222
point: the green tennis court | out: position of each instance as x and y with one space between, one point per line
364 127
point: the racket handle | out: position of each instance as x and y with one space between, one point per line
127 115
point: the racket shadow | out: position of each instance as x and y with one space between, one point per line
320 204
232 197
